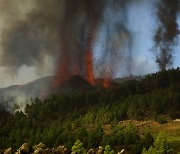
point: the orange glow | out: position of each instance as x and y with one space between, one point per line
106 82
62 72
89 67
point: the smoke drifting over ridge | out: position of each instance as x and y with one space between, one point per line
67 30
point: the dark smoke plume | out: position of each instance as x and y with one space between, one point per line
77 32
27 40
167 32
67 31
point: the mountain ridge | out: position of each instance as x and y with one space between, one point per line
42 88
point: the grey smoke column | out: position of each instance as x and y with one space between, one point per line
167 32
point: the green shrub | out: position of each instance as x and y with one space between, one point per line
78 148
108 150
148 140
161 120
161 146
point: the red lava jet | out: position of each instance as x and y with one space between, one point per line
89 67
62 72
66 70
106 82
79 30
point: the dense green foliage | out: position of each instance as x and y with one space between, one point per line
161 146
3 115
63 119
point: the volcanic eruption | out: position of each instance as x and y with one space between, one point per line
80 27
69 31
77 32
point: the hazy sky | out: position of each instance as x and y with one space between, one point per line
140 21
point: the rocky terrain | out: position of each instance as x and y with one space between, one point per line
42 149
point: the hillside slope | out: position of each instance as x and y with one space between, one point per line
62 119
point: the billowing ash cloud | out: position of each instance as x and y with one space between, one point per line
167 32
29 37
67 31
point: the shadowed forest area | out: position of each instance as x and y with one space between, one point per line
96 118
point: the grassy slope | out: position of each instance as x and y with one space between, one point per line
171 130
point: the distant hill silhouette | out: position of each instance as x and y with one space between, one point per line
131 77
31 89
42 88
